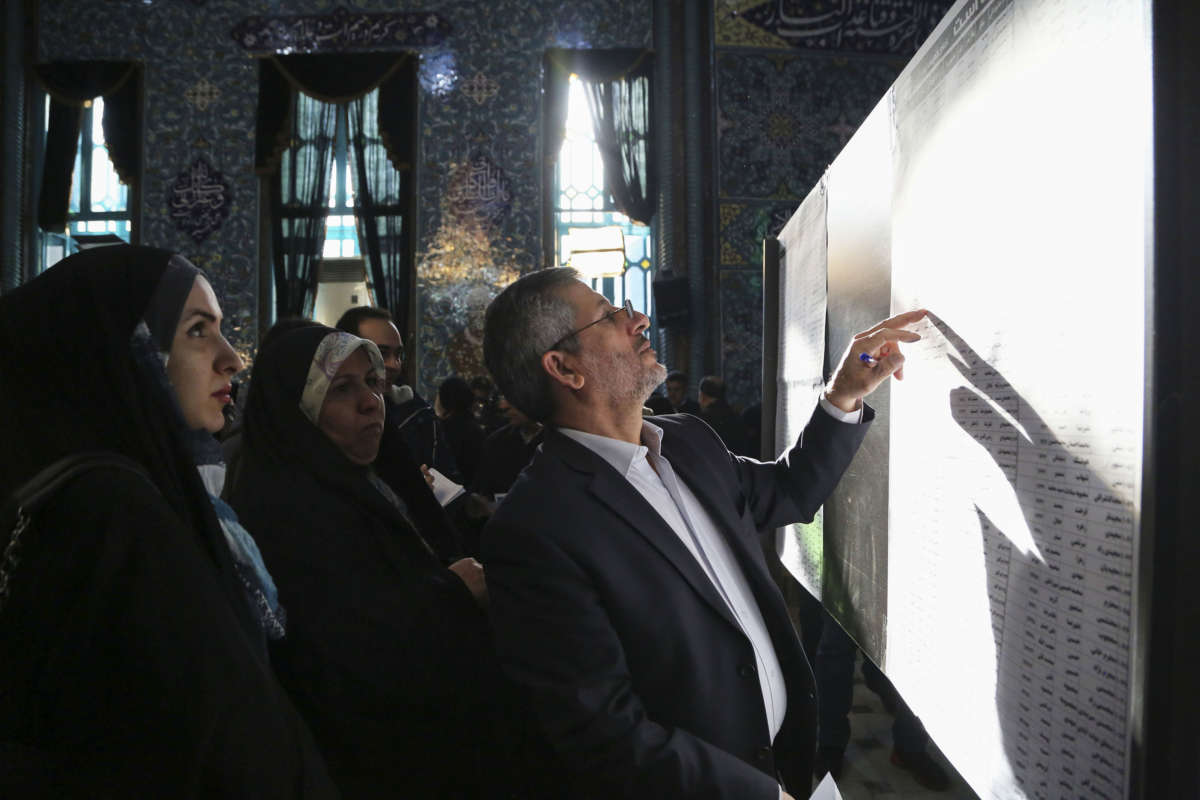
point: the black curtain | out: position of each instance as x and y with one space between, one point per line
70 84
382 173
298 203
618 85
299 100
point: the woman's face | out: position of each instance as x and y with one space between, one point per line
201 362
352 413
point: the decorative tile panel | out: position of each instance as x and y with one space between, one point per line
481 166
479 192
480 88
202 94
893 27
745 225
199 200
741 335
340 31
782 117
479 146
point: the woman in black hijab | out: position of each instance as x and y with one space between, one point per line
388 654
133 664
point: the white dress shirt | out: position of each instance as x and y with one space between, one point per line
651 475
685 515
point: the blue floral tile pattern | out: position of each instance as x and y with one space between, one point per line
490 124
480 88
202 94
745 225
782 118
481 167
741 335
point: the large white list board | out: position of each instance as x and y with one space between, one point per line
981 548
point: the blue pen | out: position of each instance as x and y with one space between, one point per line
867 359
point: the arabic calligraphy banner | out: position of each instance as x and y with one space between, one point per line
894 27
341 31
199 200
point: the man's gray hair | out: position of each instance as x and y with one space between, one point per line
522 323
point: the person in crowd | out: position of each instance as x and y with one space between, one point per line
410 480
630 594
231 435
676 400
387 655
406 410
720 416
133 626
453 406
506 452
486 408
184 320
752 420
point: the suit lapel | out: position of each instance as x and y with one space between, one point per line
702 476
696 471
616 493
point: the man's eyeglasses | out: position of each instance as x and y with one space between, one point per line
627 308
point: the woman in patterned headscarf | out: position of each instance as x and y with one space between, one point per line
388 654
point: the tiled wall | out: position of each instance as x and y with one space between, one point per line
794 78
480 167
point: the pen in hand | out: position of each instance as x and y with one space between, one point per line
871 360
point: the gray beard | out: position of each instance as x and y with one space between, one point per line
625 386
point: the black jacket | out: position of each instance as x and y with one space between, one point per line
505 454
642 680
127 665
413 418
388 656
728 425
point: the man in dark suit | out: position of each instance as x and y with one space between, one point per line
629 593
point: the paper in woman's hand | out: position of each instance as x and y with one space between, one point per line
444 489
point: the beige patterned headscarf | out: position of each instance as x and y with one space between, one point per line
331 353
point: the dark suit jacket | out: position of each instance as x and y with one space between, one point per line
422 433
728 425
644 683
661 405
